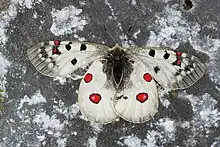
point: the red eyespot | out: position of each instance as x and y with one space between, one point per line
178 53
56 42
147 77
178 62
88 78
142 97
55 50
95 98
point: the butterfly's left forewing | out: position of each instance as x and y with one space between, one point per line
137 100
171 69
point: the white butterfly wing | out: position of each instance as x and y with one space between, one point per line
171 69
95 96
137 100
55 58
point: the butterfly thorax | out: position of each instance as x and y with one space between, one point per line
117 65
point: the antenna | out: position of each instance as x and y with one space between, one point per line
109 34
129 29
133 24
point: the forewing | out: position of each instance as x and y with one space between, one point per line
136 100
55 58
171 69
95 96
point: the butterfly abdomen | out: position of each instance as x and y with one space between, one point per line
117 68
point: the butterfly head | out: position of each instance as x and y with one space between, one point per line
117 52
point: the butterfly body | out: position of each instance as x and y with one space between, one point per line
118 82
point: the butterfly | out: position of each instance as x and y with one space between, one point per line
117 82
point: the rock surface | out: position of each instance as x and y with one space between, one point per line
42 111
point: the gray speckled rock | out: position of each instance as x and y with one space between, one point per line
42 111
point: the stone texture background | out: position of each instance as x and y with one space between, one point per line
41 111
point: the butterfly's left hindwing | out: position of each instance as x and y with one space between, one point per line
95 95
55 58
137 100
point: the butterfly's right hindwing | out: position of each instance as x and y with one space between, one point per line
55 58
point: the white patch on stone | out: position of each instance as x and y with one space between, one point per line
132 141
169 128
136 33
67 21
26 3
91 142
165 1
3 70
41 137
35 15
49 123
61 80
96 127
151 141
133 2
35 99
165 102
165 133
218 88
69 112
82 3
74 133
61 142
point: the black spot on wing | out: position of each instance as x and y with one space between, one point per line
152 53
125 97
42 47
43 52
68 47
55 51
121 96
83 47
188 67
156 69
45 55
178 72
74 61
166 55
